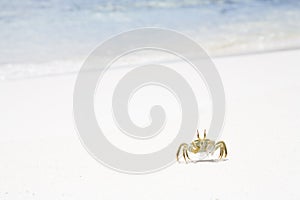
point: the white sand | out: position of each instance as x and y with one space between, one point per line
41 156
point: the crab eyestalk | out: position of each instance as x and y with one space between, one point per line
198 135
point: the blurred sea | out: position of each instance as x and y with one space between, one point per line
43 37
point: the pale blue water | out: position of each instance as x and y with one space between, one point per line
49 36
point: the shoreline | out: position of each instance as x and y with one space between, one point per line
52 69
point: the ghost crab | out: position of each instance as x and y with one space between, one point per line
204 145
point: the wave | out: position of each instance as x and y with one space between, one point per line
50 36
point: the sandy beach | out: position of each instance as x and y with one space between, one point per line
42 157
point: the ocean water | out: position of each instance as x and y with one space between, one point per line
45 37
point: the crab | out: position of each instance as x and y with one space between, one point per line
206 146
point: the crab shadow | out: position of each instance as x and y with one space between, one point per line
209 161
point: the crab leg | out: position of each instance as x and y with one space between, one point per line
183 146
187 155
223 149
184 155
216 148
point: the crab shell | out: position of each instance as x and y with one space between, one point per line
202 146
